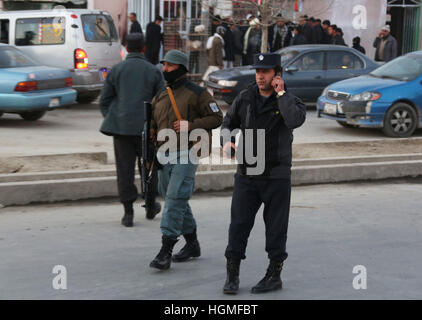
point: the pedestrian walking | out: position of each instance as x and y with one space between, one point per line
153 41
127 86
185 106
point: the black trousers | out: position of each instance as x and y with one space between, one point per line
249 194
127 150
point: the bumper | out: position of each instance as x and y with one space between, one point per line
85 81
358 113
41 100
227 94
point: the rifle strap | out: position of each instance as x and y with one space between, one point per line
174 104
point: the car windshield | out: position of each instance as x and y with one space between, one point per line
287 55
13 58
405 68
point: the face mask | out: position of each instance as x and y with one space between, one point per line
174 75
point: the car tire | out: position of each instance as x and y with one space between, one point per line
87 98
1 113
346 125
400 121
32 115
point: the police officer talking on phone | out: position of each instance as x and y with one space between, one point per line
265 105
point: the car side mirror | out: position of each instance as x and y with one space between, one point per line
74 26
291 69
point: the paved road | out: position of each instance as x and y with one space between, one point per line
332 229
76 130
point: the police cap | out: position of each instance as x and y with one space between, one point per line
266 61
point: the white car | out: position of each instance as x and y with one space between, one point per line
82 41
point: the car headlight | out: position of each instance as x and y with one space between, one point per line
324 93
366 96
227 83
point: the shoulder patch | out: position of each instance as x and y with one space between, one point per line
214 107
198 90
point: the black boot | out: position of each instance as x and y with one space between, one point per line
190 250
232 282
272 280
127 219
163 259
152 211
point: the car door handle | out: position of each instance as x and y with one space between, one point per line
318 77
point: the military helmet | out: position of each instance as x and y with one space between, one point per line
176 57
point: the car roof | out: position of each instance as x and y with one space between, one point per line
50 12
318 46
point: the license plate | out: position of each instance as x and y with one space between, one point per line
330 108
55 102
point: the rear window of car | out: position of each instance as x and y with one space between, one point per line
343 60
13 58
40 31
99 28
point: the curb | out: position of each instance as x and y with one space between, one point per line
23 189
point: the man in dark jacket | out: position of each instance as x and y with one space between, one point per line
298 37
266 115
386 45
127 86
237 44
317 32
338 38
357 46
281 34
153 40
326 38
228 47
135 27
306 28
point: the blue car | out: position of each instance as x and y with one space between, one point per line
389 97
29 89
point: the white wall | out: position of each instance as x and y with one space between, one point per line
350 16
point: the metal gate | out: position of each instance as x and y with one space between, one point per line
411 23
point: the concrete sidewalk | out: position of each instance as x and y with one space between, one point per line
332 229
45 187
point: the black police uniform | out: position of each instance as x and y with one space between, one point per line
278 116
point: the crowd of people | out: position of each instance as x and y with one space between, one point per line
241 42
232 44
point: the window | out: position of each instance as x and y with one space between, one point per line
99 28
343 60
287 55
13 58
4 31
312 61
404 68
40 31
